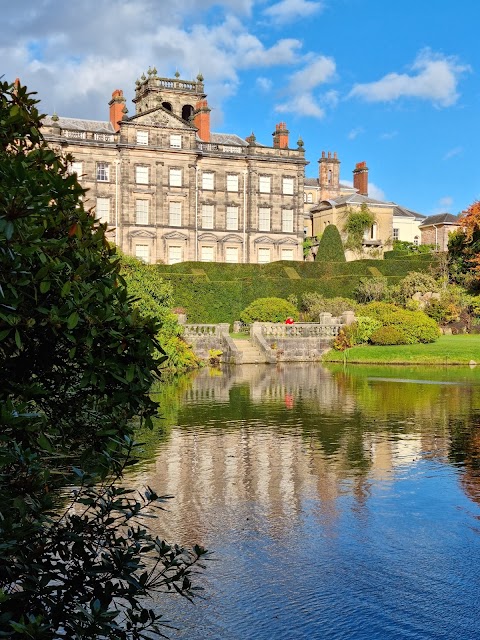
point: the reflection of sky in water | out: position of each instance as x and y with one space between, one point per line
337 505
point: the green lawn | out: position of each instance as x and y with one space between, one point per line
446 350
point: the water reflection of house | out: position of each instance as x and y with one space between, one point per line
218 469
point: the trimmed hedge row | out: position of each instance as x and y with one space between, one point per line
226 289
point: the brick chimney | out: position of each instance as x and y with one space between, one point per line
360 178
280 136
117 105
201 120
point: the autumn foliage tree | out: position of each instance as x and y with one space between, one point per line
464 247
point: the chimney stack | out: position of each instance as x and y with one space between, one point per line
280 136
117 105
201 120
360 178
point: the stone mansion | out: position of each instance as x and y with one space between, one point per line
172 190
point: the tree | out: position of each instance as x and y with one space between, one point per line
464 247
76 363
330 247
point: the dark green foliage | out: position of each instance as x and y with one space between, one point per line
389 335
230 288
330 247
269 310
76 364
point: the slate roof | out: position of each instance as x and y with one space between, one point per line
227 138
403 212
440 218
351 198
77 124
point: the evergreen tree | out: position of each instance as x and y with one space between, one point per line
330 248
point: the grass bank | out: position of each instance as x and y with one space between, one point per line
447 350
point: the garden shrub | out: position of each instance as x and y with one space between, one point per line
416 325
363 328
268 310
314 303
370 289
330 247
417 281
389 335
343 340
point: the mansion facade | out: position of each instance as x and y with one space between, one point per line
170 190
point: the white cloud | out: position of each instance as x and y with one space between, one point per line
301 85
264 84
374 191
452 153
303 105
314 73
354 133
290 10
50 41
434 78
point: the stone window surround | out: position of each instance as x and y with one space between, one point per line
208 180
288 180
264 183
175 217
139 169
103 206
142 208
102 171
177 177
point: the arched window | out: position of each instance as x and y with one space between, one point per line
167 106
416 241
329 178
187 111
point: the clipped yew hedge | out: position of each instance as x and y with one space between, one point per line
214 292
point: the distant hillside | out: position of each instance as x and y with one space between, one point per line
217 292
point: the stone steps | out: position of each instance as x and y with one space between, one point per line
251 354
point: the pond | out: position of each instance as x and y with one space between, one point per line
339 503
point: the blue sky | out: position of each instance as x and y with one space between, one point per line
392 83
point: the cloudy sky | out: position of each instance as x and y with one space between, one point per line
392 83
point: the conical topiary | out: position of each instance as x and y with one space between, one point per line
330 248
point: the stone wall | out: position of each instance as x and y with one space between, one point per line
204 337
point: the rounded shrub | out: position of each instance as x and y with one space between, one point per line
330 248
269 310
416 325
389 335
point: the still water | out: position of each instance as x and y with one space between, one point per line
338 503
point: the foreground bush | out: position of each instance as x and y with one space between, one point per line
268 310
76 363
